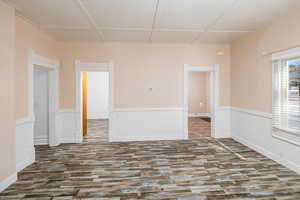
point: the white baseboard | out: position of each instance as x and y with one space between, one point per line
254 129
146 124
25 152
7 182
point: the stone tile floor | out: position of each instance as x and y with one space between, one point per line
204 169
198 128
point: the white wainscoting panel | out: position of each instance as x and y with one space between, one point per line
25 152
141 124
253 129
67 128
222 119
7 182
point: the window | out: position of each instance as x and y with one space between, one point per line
286 95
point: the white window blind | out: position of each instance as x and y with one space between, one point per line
286 95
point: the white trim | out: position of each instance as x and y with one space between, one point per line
286 136
53 67
91 67
145 109
288 54
214 94
25 120
7 182
289 164
283 133
65 111
199 115
253 112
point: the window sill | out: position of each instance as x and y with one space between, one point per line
287 135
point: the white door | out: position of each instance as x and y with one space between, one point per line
41 106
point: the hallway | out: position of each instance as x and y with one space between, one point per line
187 169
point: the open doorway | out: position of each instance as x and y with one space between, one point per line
94 100
201 100
95 105
199 121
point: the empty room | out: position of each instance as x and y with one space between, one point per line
150 99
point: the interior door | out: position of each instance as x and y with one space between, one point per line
41 106
84 103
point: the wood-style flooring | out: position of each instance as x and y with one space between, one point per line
199 128
202 169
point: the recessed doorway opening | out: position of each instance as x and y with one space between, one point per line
199 121
201 99
94 100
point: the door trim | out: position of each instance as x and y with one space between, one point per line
52 66
214 94
91 67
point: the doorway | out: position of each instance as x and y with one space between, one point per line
200 99
199 121
41 105
94 100
95 105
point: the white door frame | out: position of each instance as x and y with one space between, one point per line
91 67
52 66
214 94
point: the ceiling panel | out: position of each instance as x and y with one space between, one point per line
189 14
219 37
174 36
126 36
56 13
122 13
254 14
74 35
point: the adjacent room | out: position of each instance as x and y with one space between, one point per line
150 99
199 105
95 104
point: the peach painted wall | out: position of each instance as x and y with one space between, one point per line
198 92
7 95
139 66
251 69
29 36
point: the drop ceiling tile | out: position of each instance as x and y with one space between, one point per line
174 36
126 36
55 13
254 14
219 37
75 35
122 13
189 14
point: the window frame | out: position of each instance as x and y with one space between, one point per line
289 135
